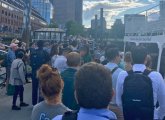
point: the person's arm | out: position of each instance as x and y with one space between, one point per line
161 96
119 87
21 71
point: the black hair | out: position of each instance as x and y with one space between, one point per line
40 44
19 54
111 53
139 54
93 86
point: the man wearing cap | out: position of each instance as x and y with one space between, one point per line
10 58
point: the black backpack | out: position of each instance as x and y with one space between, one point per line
37 58
137 98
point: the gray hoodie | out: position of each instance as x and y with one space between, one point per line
17 75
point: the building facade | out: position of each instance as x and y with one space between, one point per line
67 10
11 18
43 7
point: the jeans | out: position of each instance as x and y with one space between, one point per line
19 89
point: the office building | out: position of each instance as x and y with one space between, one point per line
67 10
43 7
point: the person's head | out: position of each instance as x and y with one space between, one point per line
139 54
40 44
73 59
66 51
74 43
32 45
14 46
148 61
84 50
112 54
128 57
51 82
54 50
15 41
19 54
93 86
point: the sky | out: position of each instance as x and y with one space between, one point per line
115 9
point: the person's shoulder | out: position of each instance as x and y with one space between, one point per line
154 75
58 117
38 106
123 72
112 115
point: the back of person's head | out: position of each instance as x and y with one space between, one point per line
50 81
66 51
111 53
19 54
148 61
74 43
54 50
73 59
93 86
139 54
128 57
85 49
40 44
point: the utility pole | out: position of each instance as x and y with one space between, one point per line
26 31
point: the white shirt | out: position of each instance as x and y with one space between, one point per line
115 75
60 63
158 85
53 59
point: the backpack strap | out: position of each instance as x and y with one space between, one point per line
130 72
147 72
114 69
70 115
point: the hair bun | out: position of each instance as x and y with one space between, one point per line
44 72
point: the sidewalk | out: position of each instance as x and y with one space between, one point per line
6 102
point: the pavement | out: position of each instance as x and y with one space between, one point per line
6 102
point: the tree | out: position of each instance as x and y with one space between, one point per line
74 28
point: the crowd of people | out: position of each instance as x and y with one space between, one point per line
71 81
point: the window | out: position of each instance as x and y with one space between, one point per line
6 13
2 11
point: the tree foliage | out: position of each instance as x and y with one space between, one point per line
74 28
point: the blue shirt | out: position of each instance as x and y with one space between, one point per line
10 57
93 114
115 75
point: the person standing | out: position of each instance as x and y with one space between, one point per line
37 58
73 62
141 88
91 81
10 57
51 87
17 78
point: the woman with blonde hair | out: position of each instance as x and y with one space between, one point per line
51 86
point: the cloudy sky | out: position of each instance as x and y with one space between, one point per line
115 9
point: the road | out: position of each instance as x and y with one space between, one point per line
6 102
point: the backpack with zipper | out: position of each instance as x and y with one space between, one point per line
137 98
